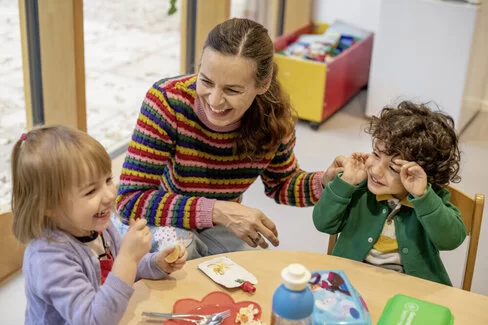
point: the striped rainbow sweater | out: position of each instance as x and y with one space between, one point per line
178 164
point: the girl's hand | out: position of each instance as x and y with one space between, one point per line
170 267
334 168
137 241
413 177
246 223
134 245
355 169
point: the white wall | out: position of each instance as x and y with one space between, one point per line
361 13
434 65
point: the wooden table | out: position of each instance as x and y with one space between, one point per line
375 284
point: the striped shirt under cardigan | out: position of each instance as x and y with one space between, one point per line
178 163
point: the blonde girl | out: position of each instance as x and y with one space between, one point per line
77 269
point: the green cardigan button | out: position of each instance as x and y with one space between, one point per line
405 251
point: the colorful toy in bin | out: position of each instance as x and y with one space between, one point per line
321 84
345 42
336 300
405 310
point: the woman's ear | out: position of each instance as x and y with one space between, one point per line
265 87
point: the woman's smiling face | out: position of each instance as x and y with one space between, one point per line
226 86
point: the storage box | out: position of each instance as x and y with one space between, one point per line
317 89
405 310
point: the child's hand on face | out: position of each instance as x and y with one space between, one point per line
355 169
336 167
167 263
413 177
137 241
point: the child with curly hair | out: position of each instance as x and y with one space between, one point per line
77 269
391 207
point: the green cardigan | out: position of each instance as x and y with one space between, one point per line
433 224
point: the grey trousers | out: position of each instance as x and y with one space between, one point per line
199 243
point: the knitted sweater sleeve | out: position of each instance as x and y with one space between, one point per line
287 183
151 149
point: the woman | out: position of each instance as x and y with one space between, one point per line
202 140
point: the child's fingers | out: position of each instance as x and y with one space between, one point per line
416 170
339 161
409 165
403 173
182 249
138 224
180 261
168 250
171 254
363 156
360 157
183 255
400 162
147 231
178 264
356 155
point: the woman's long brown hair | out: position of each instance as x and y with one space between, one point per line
270 119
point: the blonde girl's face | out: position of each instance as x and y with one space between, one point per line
91 205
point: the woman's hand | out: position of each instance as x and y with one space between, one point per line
248 224
336 167
355 169
169 267
413 177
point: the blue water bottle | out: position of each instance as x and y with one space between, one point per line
293 301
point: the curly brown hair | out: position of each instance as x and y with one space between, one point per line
416 133
270 119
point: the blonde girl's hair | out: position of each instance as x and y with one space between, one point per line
46 163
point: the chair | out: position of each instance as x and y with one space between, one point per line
472 213
12 250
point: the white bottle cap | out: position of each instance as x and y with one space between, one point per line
295 277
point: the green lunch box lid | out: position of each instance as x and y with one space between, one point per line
405 310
